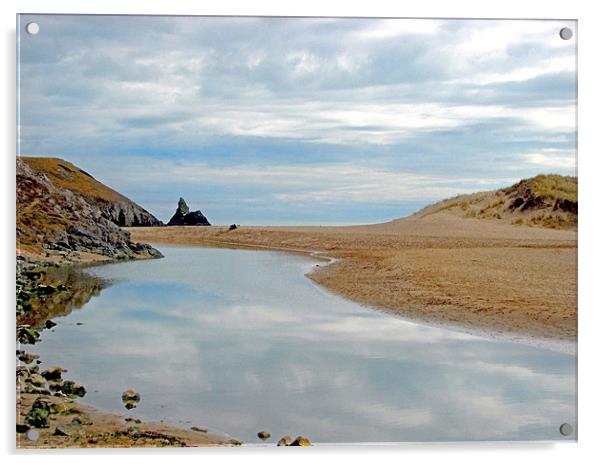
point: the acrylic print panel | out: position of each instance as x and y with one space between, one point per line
313 230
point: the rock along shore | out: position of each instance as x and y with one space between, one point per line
48 414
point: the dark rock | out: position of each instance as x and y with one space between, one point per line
27 334
26 357
130 394
183 216
54 374
36 380
21 428
232 227
183 208
128 214
55 387
45 289
145 249
38 418
39 415
194 428
130 399
70 389
195 218
300 441
58 408
285 441
31 389
49 323
263 435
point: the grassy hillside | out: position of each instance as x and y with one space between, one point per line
54 222
113 205
548 201
63 174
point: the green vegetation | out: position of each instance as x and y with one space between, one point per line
554 221
553 187
65 175
545 200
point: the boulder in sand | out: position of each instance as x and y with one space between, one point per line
285 441
263 435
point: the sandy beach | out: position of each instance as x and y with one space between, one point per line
481 275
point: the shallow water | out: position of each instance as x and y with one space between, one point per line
241 341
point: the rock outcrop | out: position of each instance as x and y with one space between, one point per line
127 214
112 205
183 216
55 221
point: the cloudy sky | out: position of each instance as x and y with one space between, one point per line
284 121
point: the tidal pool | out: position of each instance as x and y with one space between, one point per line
240 341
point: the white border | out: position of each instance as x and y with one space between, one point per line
590 130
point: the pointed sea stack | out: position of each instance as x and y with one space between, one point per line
183 216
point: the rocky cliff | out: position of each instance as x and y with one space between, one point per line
54 222
183 216
112 205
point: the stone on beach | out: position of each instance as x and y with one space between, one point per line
130 399
27 335
21 428
26 357
263 435
70 389
300 441
69 429
84 420
285 441
54 374
39 414
37 380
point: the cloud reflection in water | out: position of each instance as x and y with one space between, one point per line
241 341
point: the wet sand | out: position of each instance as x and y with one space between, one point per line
477 274
107 430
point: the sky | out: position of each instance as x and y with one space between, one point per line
298 120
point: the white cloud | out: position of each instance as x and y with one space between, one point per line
303 61
552 159
413 104
393 28
324 183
